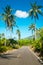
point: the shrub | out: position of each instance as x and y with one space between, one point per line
24 42
15 46
37 47
3 49
12 41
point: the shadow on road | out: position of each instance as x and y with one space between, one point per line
7 56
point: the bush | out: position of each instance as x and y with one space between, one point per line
24 42
36 44
37 47
3 49
15 46
12 41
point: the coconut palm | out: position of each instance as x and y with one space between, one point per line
34 11
32 27
18 32
8 18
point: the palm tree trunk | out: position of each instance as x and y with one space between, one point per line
5 38
35 28
10 34
5 42
19 37
32 34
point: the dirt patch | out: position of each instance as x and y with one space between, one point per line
9 51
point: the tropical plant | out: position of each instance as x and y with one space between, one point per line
34 11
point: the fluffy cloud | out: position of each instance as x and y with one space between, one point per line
21 14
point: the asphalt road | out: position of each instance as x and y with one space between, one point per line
22 56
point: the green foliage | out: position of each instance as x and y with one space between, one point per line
12 41
37 47
7 42
41 40
3 48
24 42
15 46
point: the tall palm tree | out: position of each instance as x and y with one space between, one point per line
34 11
18 32
8 18
32 27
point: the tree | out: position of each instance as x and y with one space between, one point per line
32 27
8 18
34 11
18 32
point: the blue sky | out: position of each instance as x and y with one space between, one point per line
20 7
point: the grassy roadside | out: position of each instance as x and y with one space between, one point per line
5 49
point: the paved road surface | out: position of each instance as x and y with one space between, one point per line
20 57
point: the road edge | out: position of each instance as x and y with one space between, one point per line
36 56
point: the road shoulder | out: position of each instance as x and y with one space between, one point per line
35 55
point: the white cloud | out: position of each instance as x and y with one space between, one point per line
21 14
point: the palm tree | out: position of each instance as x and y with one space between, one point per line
18 32
8 18
32 27
34 11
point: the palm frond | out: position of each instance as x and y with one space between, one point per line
40 6
35 10
40 12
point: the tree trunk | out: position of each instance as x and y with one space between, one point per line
5 38
35 28
32 34
19 38
10 34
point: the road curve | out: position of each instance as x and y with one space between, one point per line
22 56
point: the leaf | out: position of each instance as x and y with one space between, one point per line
40 12
40 7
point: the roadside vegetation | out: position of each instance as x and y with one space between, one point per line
10 44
